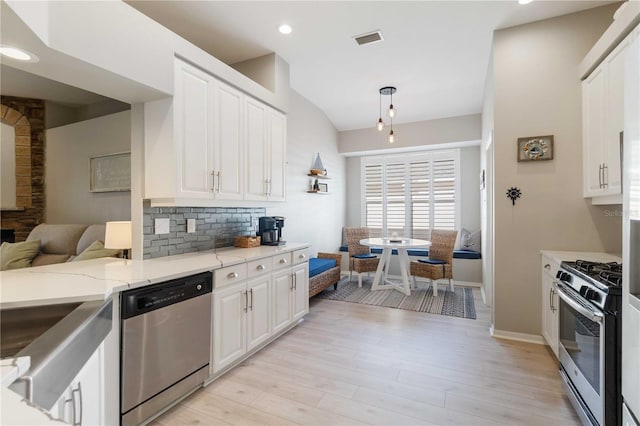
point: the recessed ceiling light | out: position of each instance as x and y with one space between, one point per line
18 54
285 29
524 1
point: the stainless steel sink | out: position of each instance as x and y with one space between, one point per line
21 326
63 338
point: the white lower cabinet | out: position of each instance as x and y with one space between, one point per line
250 308
82 402
300 292
550 318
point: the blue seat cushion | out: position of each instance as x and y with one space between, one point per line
432 261
364 256
457 254
319 265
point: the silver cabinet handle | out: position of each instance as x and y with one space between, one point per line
219 179
547 266
260 267
605 175
213 180
246 300
232 275
283 261
251 299
77 419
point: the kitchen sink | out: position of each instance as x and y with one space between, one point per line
21 326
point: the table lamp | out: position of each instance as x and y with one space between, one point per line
118 236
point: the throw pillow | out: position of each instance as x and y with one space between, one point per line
470 240
18 255
95 251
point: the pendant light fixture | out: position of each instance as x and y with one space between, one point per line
387 91
380 124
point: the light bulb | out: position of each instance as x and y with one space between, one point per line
380 125
392 111
391 137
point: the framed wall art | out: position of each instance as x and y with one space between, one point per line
323 187
110 173
535 148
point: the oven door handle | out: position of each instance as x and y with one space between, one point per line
594 316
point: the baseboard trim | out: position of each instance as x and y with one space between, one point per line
520 337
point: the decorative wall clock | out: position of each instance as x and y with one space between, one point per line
535 148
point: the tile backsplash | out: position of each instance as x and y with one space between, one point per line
216 227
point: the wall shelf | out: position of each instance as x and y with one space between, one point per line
319 176
318 192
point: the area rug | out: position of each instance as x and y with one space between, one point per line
457 303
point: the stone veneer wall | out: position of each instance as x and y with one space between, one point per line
27 117
216 227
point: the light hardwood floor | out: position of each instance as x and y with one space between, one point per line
350 364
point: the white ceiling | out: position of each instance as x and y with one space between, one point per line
435 52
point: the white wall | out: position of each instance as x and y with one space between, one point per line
412 135
313 218
8 165
67 170
537 92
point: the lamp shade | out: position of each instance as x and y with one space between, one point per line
118 235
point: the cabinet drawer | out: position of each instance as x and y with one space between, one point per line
229 275
300 256
281 261
259 267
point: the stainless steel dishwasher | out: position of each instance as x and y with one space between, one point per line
165 344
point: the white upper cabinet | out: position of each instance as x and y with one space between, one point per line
266 136
602 124
193 107
212 143
227 146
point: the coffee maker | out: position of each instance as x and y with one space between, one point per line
270 230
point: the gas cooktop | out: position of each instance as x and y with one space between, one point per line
593 280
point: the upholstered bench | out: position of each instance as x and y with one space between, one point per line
324 271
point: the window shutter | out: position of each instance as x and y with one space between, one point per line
395 191
419 177
411 194
444 194
373 199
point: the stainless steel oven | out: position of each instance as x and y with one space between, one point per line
589 338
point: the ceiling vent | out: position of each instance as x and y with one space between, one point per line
371 37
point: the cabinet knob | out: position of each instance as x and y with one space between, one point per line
547 266
232 275
283 261
302 256
260 267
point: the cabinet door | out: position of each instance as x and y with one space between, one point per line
227 146
281 304
258 314
256 185
229 339
193 115
593 119
300 295
615 63
277 156
550 322
82 402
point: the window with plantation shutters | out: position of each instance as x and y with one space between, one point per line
411 194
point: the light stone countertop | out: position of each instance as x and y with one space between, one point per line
571 256
12 368
98 279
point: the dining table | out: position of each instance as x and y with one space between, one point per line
381 280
